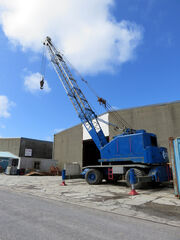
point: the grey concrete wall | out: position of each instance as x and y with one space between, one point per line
72 169
68 146
45 164
11 145
40 149
163 120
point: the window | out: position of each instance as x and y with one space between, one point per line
153 141
37 165
15 162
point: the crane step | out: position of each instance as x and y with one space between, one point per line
110 174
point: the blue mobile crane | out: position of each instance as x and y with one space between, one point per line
135 149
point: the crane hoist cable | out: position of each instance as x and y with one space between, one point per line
120 123
43 67
80 76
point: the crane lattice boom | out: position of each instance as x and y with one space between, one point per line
79 101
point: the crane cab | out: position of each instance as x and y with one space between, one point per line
139 147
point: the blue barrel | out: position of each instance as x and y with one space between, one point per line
132 176
63 174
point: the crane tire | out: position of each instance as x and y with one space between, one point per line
93 176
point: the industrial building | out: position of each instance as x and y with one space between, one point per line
75 146
32 154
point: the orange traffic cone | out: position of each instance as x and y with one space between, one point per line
133 191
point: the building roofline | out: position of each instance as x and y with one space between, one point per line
20 138
10 137
38 140
124 109
151 105
4 154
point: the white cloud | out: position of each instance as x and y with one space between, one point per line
5 105
32 83
86 30
2 126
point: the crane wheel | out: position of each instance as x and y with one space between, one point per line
138 173
93 176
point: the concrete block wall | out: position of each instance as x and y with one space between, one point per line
11 145
45 164
72 169
40 149
162 119
68 146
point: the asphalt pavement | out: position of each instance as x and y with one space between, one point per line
30 217
154 204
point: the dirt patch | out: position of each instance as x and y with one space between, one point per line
67 192
112 196
160 210
106 198
29 187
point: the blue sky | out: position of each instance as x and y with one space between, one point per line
128 51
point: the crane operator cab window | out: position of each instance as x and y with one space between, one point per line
153 141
